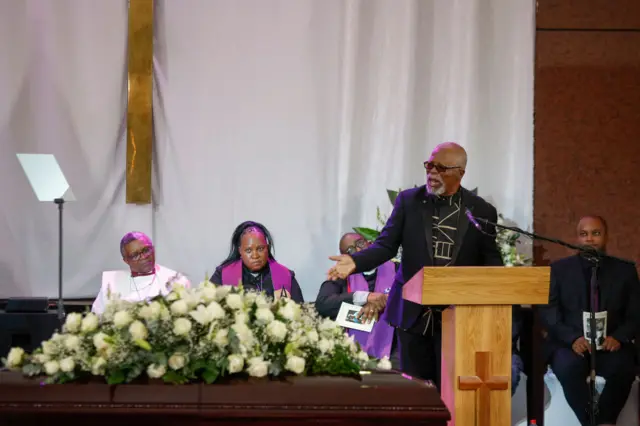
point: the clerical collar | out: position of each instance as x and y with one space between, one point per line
255 274
371 272
143 274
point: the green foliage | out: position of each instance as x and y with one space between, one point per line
367 233
339 364
393 195
116 377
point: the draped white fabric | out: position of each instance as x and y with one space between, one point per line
294 113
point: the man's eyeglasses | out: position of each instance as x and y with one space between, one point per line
440 168
141 254
360 244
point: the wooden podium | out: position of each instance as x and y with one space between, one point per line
476 333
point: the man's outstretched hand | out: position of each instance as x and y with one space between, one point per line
342 269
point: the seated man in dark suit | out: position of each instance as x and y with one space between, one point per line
369 290
619 297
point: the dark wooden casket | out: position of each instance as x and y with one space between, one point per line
379 398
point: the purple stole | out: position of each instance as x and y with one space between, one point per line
280 275
378 342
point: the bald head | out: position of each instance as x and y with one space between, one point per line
445 168
592 232
351 242
452 153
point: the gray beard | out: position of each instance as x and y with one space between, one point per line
438 191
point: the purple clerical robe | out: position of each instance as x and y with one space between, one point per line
378 342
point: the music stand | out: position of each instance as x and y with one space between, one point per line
49 185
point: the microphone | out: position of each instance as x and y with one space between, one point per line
473 220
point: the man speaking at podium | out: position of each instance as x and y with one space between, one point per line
431 225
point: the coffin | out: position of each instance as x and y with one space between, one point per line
377 398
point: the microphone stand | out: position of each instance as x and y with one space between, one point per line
595 258
61 314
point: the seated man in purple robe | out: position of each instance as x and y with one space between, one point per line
251 262
369 290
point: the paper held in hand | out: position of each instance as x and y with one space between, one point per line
601 328
348 318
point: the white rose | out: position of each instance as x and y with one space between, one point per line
72 342
326 325
181 327
179 307
156 371
244 333
208 294
262 301
172 296
191 299
177 361
313 336
73 322
258 367
222 338
67 365
201 315
57 337
164 313
236 363
138 331
49 348
41 358
234 301
15 357
216 310
98 366
145 312
264 315
156 309
122 319
384 364
351 344
325 346
250 298
296 337
51 367
241 317
290 311
295 364
89 323
100 342
277 331
222 291
362 356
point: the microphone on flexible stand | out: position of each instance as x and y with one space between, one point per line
475 223
473 220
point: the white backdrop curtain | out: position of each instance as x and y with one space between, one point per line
294 113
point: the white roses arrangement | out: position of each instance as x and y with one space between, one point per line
200 334
507 242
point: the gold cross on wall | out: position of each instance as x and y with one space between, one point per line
139 102
483 383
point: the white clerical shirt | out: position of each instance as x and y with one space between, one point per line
136 289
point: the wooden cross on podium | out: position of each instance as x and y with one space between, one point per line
483 383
